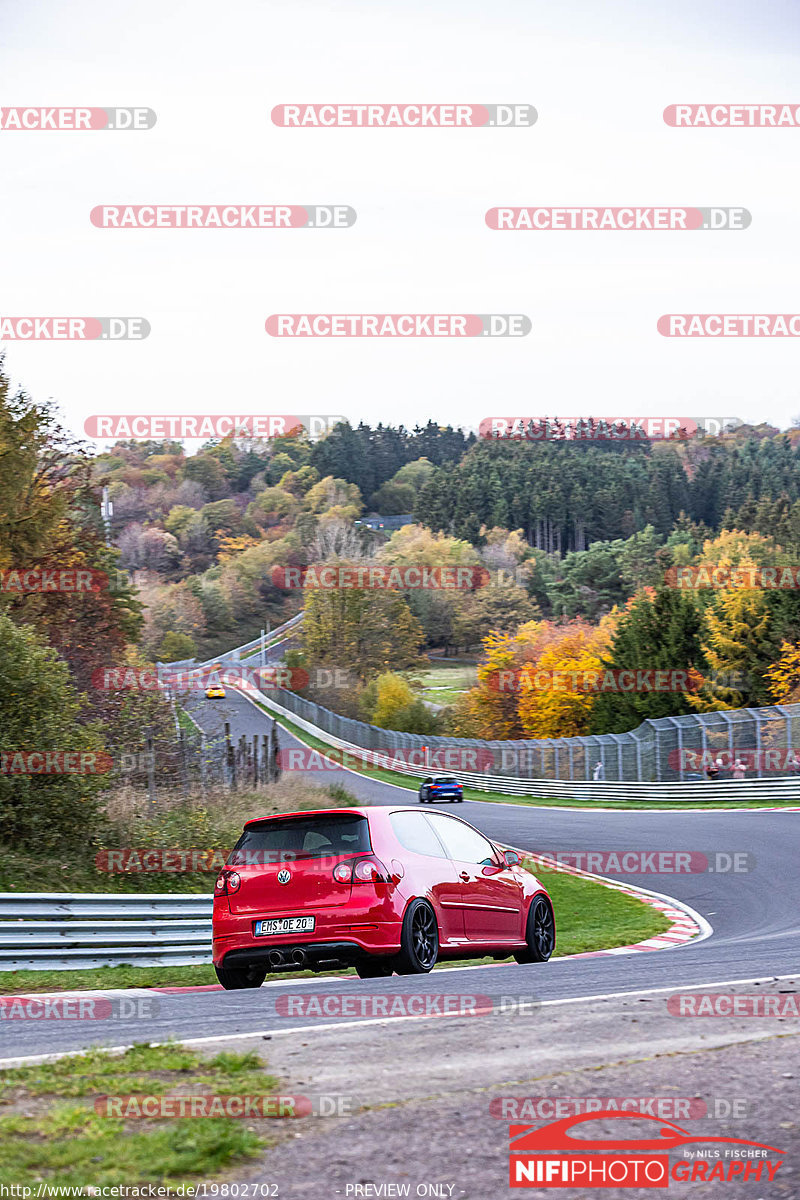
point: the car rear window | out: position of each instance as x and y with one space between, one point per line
304 837
444 779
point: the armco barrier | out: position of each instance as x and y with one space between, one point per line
276 637
62 931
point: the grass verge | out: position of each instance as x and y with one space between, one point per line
588 917
51 1132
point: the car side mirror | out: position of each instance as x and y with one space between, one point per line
511 858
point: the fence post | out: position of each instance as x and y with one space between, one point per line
759 772
265 759
275 764
230 758
184 767
203 766
151 763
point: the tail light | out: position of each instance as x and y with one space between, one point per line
227 883
368 869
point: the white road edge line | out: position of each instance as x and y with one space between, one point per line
308 1029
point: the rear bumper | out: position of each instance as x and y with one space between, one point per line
334 938
318 956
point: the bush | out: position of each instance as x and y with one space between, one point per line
40 711
175 647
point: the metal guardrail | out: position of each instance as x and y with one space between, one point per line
248 647
103 930
276 637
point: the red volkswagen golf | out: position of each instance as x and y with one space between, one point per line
380 889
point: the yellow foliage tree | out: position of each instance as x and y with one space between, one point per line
392 695
507 703
553 701
783 677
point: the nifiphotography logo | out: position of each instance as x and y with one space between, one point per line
552 1156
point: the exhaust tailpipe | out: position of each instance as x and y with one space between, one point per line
276 958
299 957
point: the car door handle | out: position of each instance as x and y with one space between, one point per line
464 875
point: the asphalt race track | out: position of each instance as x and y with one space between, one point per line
753 915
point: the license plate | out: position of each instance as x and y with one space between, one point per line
283 925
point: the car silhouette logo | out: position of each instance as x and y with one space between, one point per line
664 1135
284 876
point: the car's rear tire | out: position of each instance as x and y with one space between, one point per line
374 968
419 941
540 932
233 979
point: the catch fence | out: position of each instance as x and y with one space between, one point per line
762 741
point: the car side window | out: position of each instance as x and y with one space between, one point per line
461 841
414 833
428 780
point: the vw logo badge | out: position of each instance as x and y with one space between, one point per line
284 876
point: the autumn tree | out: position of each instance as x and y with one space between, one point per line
366 632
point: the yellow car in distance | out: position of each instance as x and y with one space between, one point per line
215 691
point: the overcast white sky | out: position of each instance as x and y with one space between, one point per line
599 73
